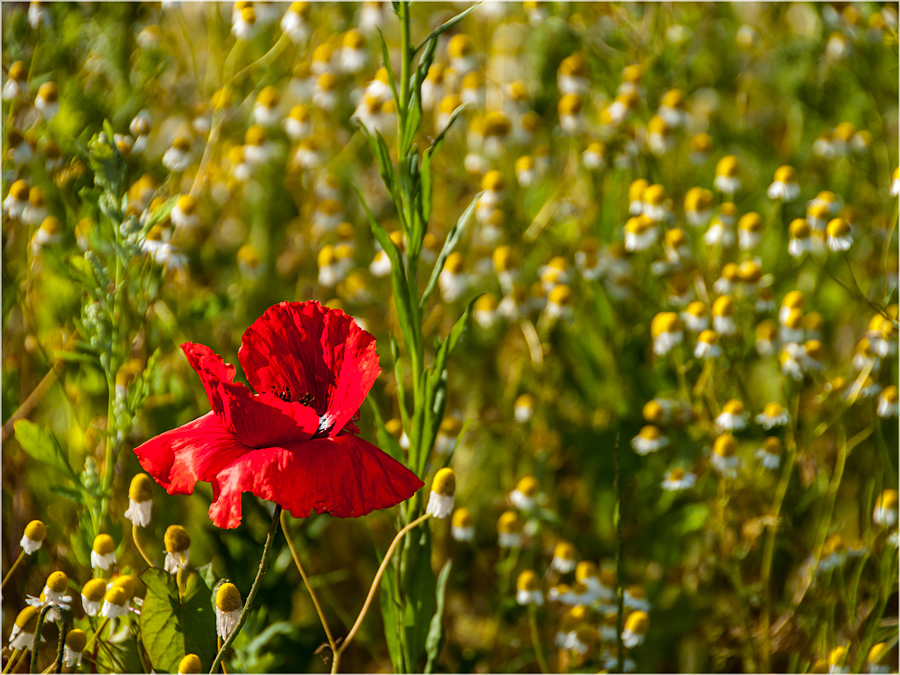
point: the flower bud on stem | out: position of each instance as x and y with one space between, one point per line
253 591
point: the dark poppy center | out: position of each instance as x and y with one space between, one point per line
285 395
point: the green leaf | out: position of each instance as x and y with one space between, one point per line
449 245
385 441
383 157
76 496
435 639
172 627
386 57
439 139
390 616
446 26
419 596
449 344
42 445
398 272
161 213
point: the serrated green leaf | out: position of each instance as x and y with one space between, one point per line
450 243
435 639
42 445
172 627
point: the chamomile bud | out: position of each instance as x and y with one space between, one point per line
523 408
228 609
724 456
636 626
524 497
698 206
140 500
769 455
509 530
47 100
184 215
22 635
640 233
92 594
678 480
191 664
665 329
563 558
707 346
836 660
728 172
885 512
888 402
723 316
115 603
773 415
876 655
103 553
650 439
178 156
33 537
443 489
732 418
785 186
294 23
178 544
462 525
839 236
528 589
447 434
75 643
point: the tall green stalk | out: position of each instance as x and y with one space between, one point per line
408 603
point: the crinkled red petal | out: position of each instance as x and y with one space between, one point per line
197 451
312 350
257 421
344 476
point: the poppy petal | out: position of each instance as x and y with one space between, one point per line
211 369
312 350
194 452
344 476
265 420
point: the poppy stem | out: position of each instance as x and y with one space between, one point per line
374 587
254 589
312 593
137 544
36 645
13 568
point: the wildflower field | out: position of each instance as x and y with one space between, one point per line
439 337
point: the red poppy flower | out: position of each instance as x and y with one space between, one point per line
293 441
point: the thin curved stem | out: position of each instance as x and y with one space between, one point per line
13 569
36 645
536 638
137 545
374 587
12 659
312 593
254 589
